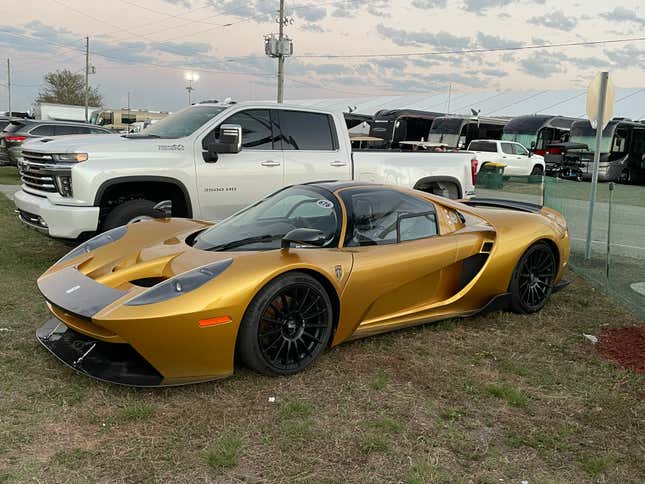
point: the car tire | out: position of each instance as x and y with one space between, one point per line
537 171
287 325
131 211
532 280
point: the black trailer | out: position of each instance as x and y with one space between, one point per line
396 125
536 131
458 131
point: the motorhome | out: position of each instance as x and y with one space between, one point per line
395 126
458 131
536 131
121 119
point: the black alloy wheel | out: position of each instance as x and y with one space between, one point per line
287 325
532 281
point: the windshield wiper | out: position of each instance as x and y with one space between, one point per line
249 240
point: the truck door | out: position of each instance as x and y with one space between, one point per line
311 148
236 180
512 161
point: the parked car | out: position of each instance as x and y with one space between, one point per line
518 160
211 160
19 131
176 301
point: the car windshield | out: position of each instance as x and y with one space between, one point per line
182 123
262 225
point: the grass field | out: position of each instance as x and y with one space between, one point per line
492 398
9 175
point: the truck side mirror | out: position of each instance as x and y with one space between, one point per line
230 141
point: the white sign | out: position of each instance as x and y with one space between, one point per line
593 101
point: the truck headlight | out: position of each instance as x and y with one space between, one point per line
71 157
181 284
94 243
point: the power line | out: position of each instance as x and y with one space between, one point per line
479 101
562 102
518 102
470 51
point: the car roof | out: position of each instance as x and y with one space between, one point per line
57 123
335 185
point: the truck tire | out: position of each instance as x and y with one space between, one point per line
130 212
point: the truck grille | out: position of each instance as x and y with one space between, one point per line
38 170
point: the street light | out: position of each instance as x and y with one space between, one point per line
190 77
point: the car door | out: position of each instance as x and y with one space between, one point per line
236 180
402 264
509 158
311 147
523 161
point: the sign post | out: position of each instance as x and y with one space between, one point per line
600 109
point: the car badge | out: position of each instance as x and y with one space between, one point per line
73 289
339 272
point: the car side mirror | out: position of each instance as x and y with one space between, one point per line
230 141
303 236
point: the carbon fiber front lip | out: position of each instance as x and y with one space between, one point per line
117 363
76 293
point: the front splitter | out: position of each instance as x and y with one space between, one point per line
110 362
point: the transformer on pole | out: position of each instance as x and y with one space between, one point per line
279 46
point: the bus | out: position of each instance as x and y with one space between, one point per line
396 125
121 119
622 151
458 131
536 131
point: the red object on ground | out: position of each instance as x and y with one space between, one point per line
625 346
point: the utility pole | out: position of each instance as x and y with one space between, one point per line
87 78
9 83
281 56
449 96
279 48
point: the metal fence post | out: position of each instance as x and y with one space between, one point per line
611 200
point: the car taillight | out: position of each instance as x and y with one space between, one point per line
473 170
15 138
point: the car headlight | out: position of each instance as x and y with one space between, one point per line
181 284
71 157
96 242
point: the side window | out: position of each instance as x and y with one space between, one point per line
257 129
43 130
67 130
619 142
518 149
485 146
507 148
380 217
307 131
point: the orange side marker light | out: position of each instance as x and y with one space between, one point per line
205 323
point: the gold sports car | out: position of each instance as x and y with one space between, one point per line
175 301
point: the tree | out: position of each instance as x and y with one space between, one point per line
66 87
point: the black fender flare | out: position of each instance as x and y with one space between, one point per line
142 179
441 178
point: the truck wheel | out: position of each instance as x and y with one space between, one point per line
445 189
537 171
130 212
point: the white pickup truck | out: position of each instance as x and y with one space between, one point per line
210 160
518 160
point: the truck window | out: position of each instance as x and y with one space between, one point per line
257 129
307 131
486 146
518 149
507 148
43 130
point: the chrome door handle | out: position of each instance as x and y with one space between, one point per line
270 163
338 163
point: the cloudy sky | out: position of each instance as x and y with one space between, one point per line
343 48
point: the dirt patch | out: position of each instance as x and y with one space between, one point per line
625 346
